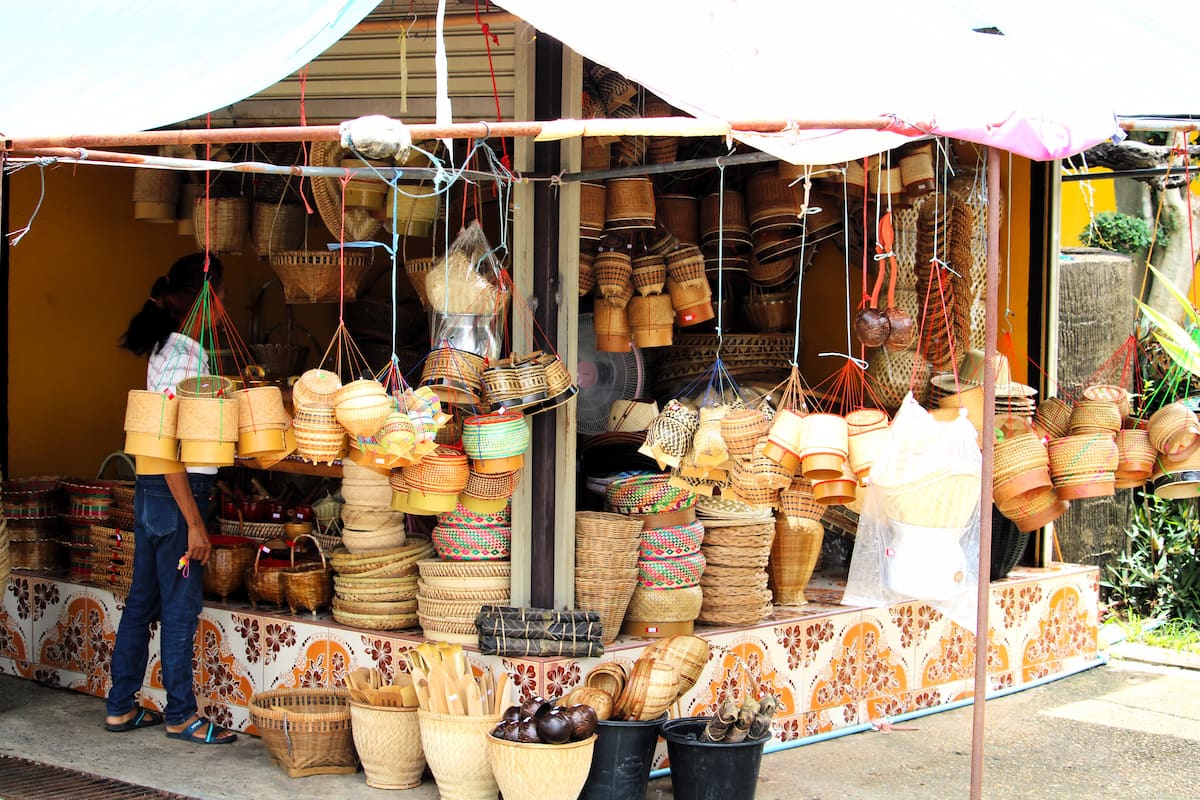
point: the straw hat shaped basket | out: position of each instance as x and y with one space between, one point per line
306 731
541 771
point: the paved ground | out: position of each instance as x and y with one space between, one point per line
1127 730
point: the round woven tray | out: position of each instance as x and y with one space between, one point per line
388 608
379 563
450 625
496 596
747 536
734 579
456 609
750 616
436 568
376 622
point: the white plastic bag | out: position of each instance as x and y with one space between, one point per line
918 534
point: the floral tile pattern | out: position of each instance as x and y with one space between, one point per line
832 666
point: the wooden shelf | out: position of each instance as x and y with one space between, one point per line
297 466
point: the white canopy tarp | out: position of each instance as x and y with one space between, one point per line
1051 85
117 67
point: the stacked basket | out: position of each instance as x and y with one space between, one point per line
320 438
32 507
112 543
5 560
378 589
451 593
88 503
368 521
667 597
466 535
606 566
735 578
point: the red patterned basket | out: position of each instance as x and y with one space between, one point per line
672 542
671 573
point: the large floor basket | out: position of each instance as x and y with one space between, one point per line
306 731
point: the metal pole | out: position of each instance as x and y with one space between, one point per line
649 126
5 279
991 326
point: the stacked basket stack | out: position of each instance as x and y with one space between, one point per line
32 507
378 589
466 535
668 596
368 521
319 436
737 545
606 566
450 595
88 504
112 543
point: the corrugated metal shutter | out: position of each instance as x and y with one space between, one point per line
360 75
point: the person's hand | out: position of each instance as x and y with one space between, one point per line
199 547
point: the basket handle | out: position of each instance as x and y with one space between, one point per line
317 543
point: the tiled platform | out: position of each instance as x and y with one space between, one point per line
833 666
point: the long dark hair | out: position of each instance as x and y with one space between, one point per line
171 297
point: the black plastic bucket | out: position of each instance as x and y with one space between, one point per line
621 760
707 770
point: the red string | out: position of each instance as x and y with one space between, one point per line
304 122
489 39
345 179
866 199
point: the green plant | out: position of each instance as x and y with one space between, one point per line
1160 575
1118 232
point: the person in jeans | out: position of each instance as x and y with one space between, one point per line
169 527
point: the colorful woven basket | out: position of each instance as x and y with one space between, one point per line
494 437
647 494
472 543
678 540
671 573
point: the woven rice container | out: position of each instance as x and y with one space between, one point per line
388 742
613 334
150 424
680 213
362 406
651 320
665 605
540 771
207 429
614 276
155 194
1095 416
455 750
649 274
1174 430
261 408
629 204
592 204
278 227
222 224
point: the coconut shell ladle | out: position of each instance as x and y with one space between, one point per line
900 324
871 324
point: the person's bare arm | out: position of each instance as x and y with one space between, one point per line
199 546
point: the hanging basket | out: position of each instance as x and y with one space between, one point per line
315 276
155 194
278 227
222 224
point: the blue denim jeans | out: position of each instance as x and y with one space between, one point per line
161 593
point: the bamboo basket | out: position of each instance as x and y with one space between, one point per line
498 596
651 321
319 437
736 223
225 572
649 274
680 214
315 276
629 204
375 590
592 204
794 555
222 223
587 274
388 742
454 750
1095 416
278 227
155 194
308 587
1053 417
306 731
771 312
316 387
540 771
394 562
417 270
613 270
613 334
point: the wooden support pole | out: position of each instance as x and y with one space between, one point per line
991 328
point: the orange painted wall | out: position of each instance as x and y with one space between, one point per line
823 314
83 270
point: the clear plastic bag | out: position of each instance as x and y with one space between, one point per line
918 533
469 293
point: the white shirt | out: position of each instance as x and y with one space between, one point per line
179 358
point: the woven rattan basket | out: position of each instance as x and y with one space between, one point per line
225 572
222 223
794 555
455 751
388 741
315 276
543 771
306 731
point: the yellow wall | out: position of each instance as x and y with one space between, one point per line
82 271
1080 200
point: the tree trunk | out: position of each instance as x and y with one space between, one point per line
1095 315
